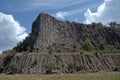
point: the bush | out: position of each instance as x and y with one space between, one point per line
1 68
117 45
58 51
80 67
87 45
74 45
76 67
49 67
10 52
110 49
50 50
13 67
71 67
7 59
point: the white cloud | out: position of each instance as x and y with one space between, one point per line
11 32
108 11
61 15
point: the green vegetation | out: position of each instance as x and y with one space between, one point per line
74 46
85 76
97 24
50 50
13 67
114 25
87 45
49 67
110 49
1 67
10 52
23 47
73 67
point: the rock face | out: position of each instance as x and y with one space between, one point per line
47 30
64 63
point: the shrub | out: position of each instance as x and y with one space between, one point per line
49 67
80 67
13 67
76 67
7 59
50 50
1 68
87 45
10 52
97 24
71 67
74 46
117 45
81 52
110 49
59 51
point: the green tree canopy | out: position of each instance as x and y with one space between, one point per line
87 45
113 24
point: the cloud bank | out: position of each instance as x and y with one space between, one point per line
108 11
11 32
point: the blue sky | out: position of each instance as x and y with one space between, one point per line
25 11
16 16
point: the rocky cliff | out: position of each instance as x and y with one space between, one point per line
63 63
47 30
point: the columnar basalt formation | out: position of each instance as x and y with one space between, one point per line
47 30
35 63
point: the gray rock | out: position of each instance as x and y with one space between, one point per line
47 30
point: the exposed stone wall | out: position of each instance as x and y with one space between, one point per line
35 63
47 30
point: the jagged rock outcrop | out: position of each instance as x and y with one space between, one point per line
35 63
47 30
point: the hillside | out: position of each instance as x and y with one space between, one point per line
61 35
60 63
55 37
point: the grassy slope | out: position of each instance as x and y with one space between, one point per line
85 76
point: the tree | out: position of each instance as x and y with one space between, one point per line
94 24
118 25
113 24
87 45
